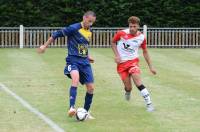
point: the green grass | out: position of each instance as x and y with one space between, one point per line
39 80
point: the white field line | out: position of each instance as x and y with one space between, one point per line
31 109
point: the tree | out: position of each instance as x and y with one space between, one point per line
110 13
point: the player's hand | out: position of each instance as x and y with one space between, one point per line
153 70
41 49
91 59
118 59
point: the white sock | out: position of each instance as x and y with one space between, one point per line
146 96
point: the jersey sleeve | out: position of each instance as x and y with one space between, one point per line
144 44
67 31
116 37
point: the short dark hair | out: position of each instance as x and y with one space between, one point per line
89 13
134 20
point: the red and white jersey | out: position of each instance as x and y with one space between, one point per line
128 44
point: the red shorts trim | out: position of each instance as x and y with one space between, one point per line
129 67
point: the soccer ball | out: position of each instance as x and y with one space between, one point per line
81 114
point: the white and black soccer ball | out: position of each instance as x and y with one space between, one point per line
81 114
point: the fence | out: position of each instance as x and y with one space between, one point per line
31 37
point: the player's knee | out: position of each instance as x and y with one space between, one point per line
74 75
75 82
137 82
128 89
90 89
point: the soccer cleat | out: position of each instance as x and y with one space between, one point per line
150 108
72 112
89 117
127 96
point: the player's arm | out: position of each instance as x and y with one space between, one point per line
43 47
147 57
114 47
67 31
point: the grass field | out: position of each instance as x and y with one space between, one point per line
39 80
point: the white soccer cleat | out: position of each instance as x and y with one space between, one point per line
89 117
150 108
127 96
72 112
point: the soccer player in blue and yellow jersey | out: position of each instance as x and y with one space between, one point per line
78 60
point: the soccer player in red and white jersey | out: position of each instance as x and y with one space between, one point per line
125 45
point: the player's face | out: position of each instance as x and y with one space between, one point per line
88 21
133 28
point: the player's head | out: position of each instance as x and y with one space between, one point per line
89 18
134 24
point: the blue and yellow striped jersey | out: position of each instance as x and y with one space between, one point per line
78 39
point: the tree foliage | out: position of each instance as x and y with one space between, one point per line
114 13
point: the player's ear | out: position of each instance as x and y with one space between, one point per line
94 19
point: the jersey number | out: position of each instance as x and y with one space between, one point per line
69 68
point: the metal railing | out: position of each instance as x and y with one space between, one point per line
9 37
173 37
31 37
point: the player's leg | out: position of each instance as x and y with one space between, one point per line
122 70
73 92
127 87
134 70
89 96
74 84
86 77
143 90
72 72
